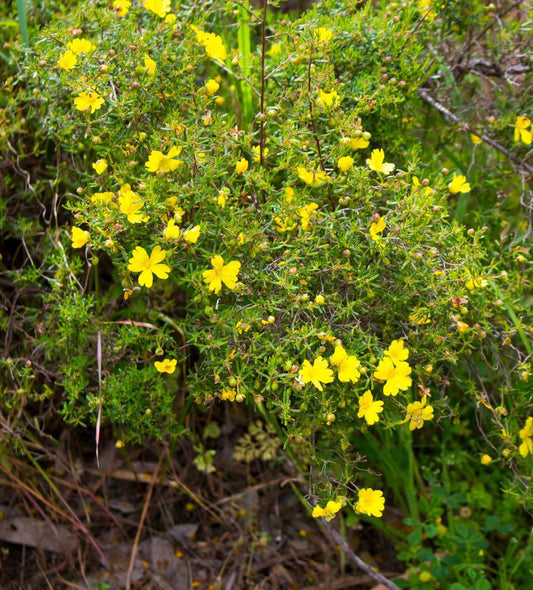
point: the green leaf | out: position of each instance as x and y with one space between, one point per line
23 21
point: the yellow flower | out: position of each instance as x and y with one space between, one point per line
221 273
396 377
285 224
345 163
329 511
358 143
105 198
376 228
241 166
289 194
427 189
369 409
171 231
158 162
486 459
311 177
79 46
307 214
212 87
148 266
396 352
475 139
79 237
191 235
213 45
88 100
100 166
426 10
67 60
257 155
526 434
417 412
462 326
327 99
121 7
159 7
322 35
275 49
131 204
316 373
376 162
228 394
459 184
521 131
166 366
370 502
150 66
223 194
420 316
347 366
474 283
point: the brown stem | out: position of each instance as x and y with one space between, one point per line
313 124
357 560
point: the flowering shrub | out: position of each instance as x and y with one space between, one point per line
291 260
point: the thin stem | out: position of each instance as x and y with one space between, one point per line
311 115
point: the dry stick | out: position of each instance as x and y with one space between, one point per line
263 115
141 522
357 560
450 117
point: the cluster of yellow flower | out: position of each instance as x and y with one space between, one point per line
370 502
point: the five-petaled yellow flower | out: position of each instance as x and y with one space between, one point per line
417 412
166 366
329 511
148 266
322 35
79 237
316 373
348 366
100 166
370 502
459 184
369 409
396 377
67 60
376 162
486 459
158 162
88 101
221 273
159 7
521 131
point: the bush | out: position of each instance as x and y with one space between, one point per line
270 228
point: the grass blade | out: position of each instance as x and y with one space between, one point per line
23 21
